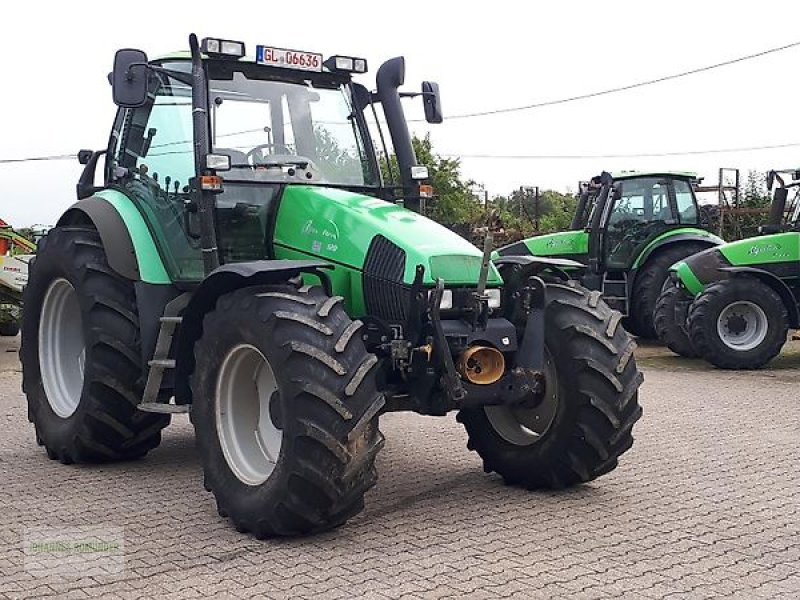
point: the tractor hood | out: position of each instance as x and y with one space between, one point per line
778 253
339 226
574 244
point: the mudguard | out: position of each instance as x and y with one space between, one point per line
663 241
114 234
222 280
537 264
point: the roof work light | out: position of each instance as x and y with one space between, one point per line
346 64
222 48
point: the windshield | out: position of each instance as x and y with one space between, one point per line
289 132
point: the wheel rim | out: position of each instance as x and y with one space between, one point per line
742 325
527 426
250 442
62 350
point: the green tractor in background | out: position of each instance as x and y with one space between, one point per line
628 228
288 304
734 304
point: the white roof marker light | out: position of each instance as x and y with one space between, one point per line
222 48
346 64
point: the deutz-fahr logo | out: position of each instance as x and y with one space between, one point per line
763 249
558 242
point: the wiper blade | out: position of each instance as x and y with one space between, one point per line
303 164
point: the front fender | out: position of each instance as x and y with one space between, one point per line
533 265
222 280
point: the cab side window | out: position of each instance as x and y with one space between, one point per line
684 198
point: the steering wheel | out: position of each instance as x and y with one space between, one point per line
251 155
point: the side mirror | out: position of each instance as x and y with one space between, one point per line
770 180
432 102
129 78
84 156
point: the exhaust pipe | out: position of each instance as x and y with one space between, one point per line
481 365
390 77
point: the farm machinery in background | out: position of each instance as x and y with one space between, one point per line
16 252
628 228
734 304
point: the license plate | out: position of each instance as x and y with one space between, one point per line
288 59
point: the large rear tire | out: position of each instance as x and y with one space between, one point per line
9 328
285 410
648 284
584 423
81 355
739 323
670 331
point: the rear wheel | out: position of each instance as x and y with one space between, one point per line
648 284
285 410
584 423
9 328
739 323
671 331
81 358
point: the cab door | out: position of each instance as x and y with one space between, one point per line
151 159
643 209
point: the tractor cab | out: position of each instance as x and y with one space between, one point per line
626 211
206 143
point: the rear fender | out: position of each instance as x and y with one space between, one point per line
666 242
223 280
126 238
776 284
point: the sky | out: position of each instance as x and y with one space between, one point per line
484 56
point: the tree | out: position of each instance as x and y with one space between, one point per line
454 201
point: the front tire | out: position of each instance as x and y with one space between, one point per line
81 354
584 424
670 331
648 284
739 323
285 410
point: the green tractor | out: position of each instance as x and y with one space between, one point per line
733 305
289 303
628 228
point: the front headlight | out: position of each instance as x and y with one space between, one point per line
494 297
447 299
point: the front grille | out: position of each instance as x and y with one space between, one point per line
385 294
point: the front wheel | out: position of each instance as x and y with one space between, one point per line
739 323
584 423
671 331
285 410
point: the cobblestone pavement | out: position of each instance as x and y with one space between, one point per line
706 504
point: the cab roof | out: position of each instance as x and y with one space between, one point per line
620 175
